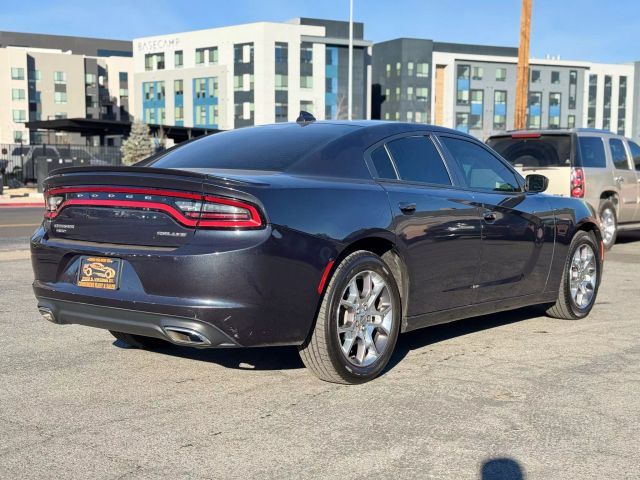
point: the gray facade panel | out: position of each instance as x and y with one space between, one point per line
77 45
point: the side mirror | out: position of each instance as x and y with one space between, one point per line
536 183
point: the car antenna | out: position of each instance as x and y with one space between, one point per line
305 118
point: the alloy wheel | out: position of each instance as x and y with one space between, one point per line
608 219
583 276
365 318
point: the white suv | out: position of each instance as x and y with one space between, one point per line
598 166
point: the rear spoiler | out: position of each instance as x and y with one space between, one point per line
127 169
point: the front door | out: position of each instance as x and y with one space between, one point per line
517 227
635 160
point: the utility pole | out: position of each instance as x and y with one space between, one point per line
522 81
350 80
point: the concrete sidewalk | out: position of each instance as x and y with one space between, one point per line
21 197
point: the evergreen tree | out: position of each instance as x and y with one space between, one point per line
138 145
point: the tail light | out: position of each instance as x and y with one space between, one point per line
577 182
189 209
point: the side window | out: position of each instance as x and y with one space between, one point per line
618 154
382 164
635 153
591 151
481 169
418 160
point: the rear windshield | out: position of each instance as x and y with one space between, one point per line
273 147
542 151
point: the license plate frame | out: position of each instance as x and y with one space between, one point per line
100 273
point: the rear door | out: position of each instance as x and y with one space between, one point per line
625 179
517 228
436 223
635 155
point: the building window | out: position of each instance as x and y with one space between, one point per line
422 94
555 77
593 95
243 53
421 117
17 73
536 76
90 79
19 116
178 59
306 53
477 108
409 93
397 116
462 91
398 68
206 87
179 114
154 61
282 82
124 92
60 115
422 70
18 136
398 94
123 77
387 69
306 106
477 73
160 92
606 111
148 90
500 110
59 77
462 122
535 110
35 75
282 112
409 116
571 121
17 94
60 97
622 105
573 88
282 52
178 87
501 74
306 81
410 69
554 109
207 55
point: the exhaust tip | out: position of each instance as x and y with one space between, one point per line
186 336
47 314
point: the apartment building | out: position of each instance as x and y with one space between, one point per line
47 77
472 88
258 73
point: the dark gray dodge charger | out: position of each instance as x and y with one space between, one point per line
332 236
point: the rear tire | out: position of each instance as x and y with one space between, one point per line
580 279
139 341
609 222
358 322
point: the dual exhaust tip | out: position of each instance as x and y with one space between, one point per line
178 335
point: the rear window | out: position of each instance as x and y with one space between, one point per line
590 153
618 154
418 160
542 151
273 147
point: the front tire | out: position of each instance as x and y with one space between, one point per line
609 222
358 322
580 279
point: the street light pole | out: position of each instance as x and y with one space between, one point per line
350 81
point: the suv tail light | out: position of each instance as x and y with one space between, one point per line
577 182
188 209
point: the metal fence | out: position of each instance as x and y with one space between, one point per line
22 164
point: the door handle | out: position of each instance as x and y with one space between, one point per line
407 207
619 179
489 217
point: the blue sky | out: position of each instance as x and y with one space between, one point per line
597 30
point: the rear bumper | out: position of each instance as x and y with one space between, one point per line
178 330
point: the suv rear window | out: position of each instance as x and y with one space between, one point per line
590 153
534 151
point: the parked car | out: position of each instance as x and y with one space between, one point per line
332 236
598 166
24 159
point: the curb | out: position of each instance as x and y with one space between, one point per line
22 204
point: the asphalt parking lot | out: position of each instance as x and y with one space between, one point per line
506 396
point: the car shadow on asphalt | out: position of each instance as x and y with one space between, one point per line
627 237
286 358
